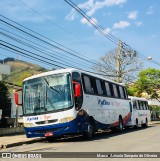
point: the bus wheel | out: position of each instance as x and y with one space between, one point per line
136 126
146 124
90 130
120 127
50 139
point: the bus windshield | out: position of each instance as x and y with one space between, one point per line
47 93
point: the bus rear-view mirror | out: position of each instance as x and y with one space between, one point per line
16 97
77 89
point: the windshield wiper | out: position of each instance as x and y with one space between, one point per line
51 87
51 104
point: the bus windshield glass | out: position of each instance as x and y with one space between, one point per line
47 93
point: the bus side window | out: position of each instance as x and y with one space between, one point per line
137 105
108 89
134 105
125 92
144 105
88 85
140 105
121 92
115 90
147 108
99 86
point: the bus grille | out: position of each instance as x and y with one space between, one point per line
47 130
46 122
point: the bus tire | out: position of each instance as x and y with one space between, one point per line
50 139
136 125
120 126
90 130
146 124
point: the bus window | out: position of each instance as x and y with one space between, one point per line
140 105
108 90
121 92
99 86
134 105
88 85
125 92
137 105
115 90
146 103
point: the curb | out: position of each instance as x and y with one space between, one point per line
5 146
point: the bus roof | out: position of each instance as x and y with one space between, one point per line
137 98
69 70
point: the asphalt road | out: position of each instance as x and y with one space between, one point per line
131 140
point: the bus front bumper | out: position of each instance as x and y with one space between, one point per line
52 130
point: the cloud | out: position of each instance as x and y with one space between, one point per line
92 7
85 21
106 31
138 23
71 16
121 25
150 10
106 3
132 15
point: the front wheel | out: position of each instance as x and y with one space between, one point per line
146 124
136 126
90 130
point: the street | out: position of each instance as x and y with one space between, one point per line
131 140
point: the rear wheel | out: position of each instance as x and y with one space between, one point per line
120 127
136 126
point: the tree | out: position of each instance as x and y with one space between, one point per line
128 68
149 82
4 100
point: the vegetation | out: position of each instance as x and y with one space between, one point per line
21 70
148 82
129 65
4 100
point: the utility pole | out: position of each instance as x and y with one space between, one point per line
119 80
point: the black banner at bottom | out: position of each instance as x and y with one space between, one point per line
80 155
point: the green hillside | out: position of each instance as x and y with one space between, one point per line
21 70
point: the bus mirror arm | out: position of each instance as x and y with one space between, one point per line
77 89
16 97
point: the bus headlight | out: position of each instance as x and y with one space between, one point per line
66 119
28 125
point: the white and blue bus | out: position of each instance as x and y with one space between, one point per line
71 101
140 113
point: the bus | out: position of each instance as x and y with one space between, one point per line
71 101
140 113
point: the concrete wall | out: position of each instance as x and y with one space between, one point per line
12 130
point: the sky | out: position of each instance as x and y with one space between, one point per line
135 22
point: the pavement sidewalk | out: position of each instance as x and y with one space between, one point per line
11 141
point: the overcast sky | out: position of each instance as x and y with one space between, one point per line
136 22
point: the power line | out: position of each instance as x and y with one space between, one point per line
36 48
71 52
101 29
